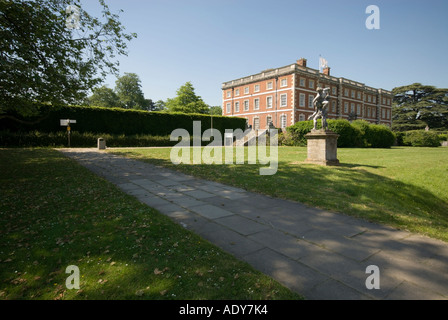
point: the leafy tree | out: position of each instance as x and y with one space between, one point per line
104 97
417 106
149 105
187 101
50 56
159 105
216 111
128 89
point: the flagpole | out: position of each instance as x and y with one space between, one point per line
320 60
318 69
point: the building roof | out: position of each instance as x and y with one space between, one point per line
296 68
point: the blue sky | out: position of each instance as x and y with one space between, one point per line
209 42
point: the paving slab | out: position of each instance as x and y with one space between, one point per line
283 243
170 209
189 220
233 195
294 275
345 246
210 211
169 193
242 225
199 194
140 181
228 239
182 188
253 200
410 291
168 182
416 272
128 186
335 290
188 202
222 203
351 273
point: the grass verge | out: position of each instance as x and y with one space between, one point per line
402 187
54 213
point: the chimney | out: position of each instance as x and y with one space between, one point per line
301 62
326 71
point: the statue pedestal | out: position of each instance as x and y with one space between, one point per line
322 147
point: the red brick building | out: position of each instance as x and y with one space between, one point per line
285 95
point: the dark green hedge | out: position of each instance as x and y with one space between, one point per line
295 134
58 139
374 135
355 134
421 138
119 121
349 136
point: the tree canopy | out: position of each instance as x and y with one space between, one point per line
54 53
129 92
417 106
216 111
104 97
187 101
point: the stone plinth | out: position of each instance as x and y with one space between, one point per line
322 147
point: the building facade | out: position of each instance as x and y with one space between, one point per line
285 96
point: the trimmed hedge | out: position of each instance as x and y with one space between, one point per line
443 137
380 136
295 134
421 138
356 134
349 136
120 121
374 135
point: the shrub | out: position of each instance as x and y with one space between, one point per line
359 133
349 136
420 138
80 140
32 139
399 136
379 136
443 137
289 139
296 133
363 126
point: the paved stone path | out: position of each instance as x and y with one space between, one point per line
319 254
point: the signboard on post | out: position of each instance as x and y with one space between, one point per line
66 123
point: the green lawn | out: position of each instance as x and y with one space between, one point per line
406 188
54 213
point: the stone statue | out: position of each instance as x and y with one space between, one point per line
320 103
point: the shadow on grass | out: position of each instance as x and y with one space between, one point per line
346 189
53 214
354 165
